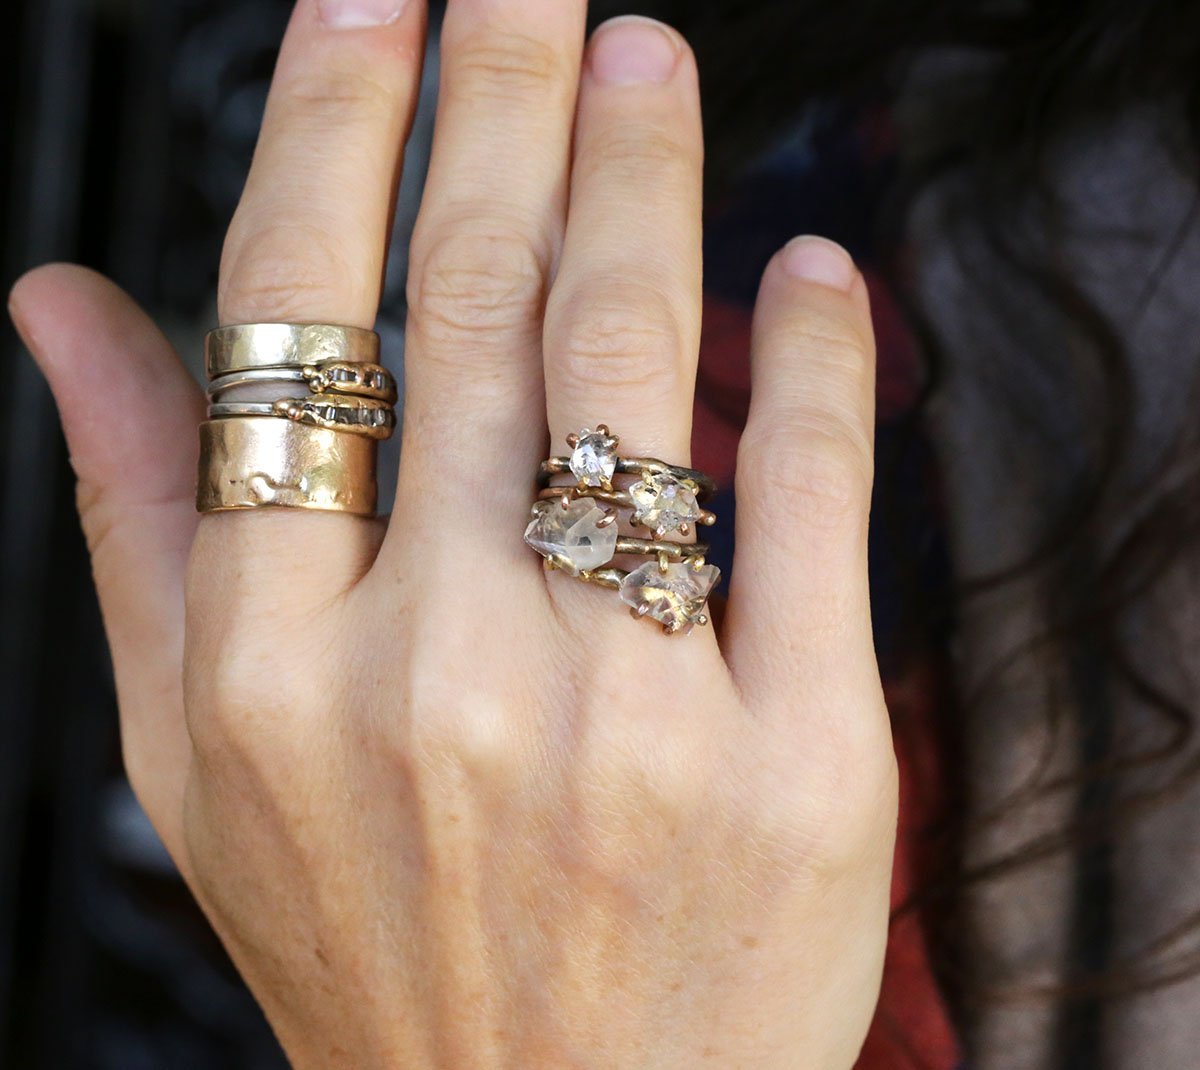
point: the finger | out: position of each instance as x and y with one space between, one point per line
623 319
307 244
308 239
485 242
129 410
799 610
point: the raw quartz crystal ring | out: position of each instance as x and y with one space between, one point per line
575 526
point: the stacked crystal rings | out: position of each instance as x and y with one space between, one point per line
295 415
575 528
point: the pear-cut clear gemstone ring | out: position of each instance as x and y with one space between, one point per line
574 527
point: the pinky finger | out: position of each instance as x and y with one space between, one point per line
799 607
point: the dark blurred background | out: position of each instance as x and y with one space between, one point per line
126 128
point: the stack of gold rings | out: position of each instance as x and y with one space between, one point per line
294 418
575 528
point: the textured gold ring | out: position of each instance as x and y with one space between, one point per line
243 346
575 529
247 462
295 413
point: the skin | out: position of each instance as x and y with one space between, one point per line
446 810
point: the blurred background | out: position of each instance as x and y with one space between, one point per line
126 128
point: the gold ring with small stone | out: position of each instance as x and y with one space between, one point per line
295 413
334 377
574 528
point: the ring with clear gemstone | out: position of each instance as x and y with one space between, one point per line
593 458
574 528
672 594
664 504
576 537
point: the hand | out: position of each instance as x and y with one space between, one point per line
446 810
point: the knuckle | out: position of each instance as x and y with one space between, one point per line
505 66
473 280
636 150
826 819
242 710
616 339
833 341
447 727
812 470
286 271
336 97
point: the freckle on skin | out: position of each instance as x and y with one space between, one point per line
749 941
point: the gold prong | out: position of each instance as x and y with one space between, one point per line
696 561
708 519
610 516
572 440
603 429
564 499
664 561
548 564
702 619
606 483
685 529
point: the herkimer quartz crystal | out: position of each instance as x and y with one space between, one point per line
663 504
674 595
594 458
577 538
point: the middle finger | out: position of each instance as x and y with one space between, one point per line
485 243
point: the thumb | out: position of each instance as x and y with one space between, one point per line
129 410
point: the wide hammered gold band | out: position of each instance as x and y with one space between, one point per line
247 462
243 346
295 412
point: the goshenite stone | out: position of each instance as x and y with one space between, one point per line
663 504
574 535
675 596
594 458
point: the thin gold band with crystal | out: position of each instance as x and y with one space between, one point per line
359 379
619 498
636 466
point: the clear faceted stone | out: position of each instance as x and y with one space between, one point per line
594 459
674 596
663 504
573 534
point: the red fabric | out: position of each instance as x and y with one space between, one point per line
911 1030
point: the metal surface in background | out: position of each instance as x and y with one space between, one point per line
126 129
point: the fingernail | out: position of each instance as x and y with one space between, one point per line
359 14
819 260
631 50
